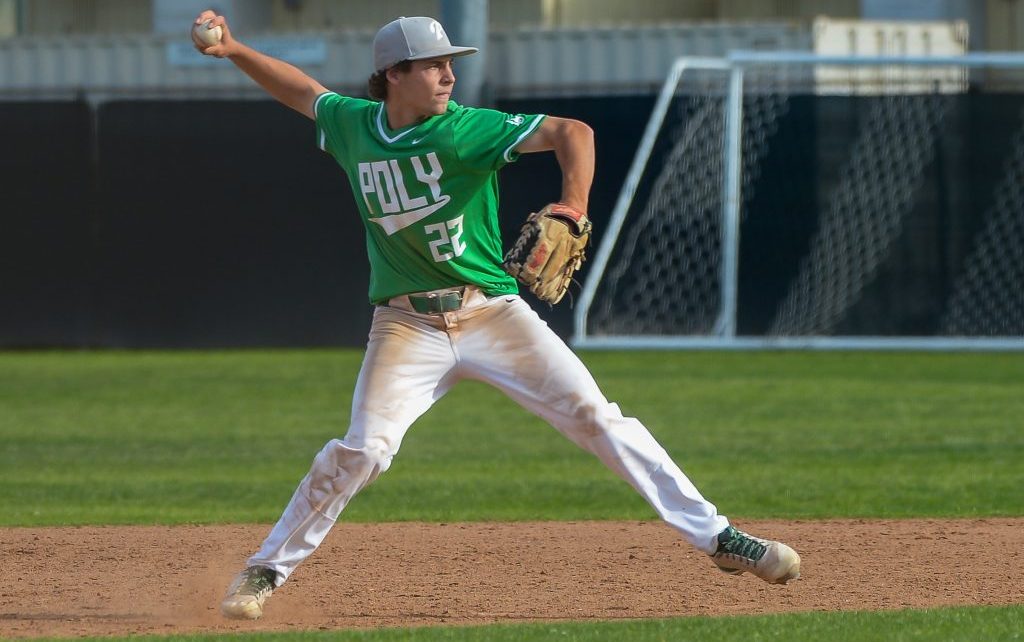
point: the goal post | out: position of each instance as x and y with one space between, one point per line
793 200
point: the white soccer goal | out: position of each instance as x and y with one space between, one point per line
791 200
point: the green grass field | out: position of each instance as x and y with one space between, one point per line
223 437
925 625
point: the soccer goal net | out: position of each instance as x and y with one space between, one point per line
794 200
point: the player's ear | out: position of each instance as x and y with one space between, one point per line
393 74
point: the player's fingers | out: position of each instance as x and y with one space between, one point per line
204 16
212 20
225 30
222 22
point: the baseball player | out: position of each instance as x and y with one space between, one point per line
423 171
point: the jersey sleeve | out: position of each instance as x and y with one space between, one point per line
336 115
485 138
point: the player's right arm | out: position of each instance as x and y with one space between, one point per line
286 83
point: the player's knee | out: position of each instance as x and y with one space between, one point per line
595 417
371 456
339 471
345 467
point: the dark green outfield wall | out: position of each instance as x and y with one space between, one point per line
220 224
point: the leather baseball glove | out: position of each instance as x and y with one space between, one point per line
549 250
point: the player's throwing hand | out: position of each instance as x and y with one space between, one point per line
205 43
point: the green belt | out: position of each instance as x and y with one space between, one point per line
436 303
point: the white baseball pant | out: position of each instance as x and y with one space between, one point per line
413 359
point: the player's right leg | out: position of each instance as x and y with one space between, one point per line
407 367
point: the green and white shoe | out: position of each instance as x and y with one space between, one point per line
247 593
773 562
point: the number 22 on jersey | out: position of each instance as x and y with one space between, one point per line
447 233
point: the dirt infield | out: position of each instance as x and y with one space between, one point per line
122 580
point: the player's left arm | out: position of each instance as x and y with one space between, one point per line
573 144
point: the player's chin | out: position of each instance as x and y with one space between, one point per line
441 103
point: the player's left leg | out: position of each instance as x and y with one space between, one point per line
514 350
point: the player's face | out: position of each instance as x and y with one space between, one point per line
427 86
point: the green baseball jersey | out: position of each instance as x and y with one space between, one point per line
428 193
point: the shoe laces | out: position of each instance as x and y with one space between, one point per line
733 541
255 580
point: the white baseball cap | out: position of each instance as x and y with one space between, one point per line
413 39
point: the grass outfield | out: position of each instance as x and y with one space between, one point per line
122 438
950 625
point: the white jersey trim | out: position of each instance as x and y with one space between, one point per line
380 127
322 142
507 155
316 103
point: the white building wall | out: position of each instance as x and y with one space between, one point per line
889 38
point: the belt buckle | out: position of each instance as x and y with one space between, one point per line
436 302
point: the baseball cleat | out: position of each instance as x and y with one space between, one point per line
773 562
247 593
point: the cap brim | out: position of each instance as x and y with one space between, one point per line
443 52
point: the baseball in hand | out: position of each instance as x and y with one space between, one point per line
206 36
